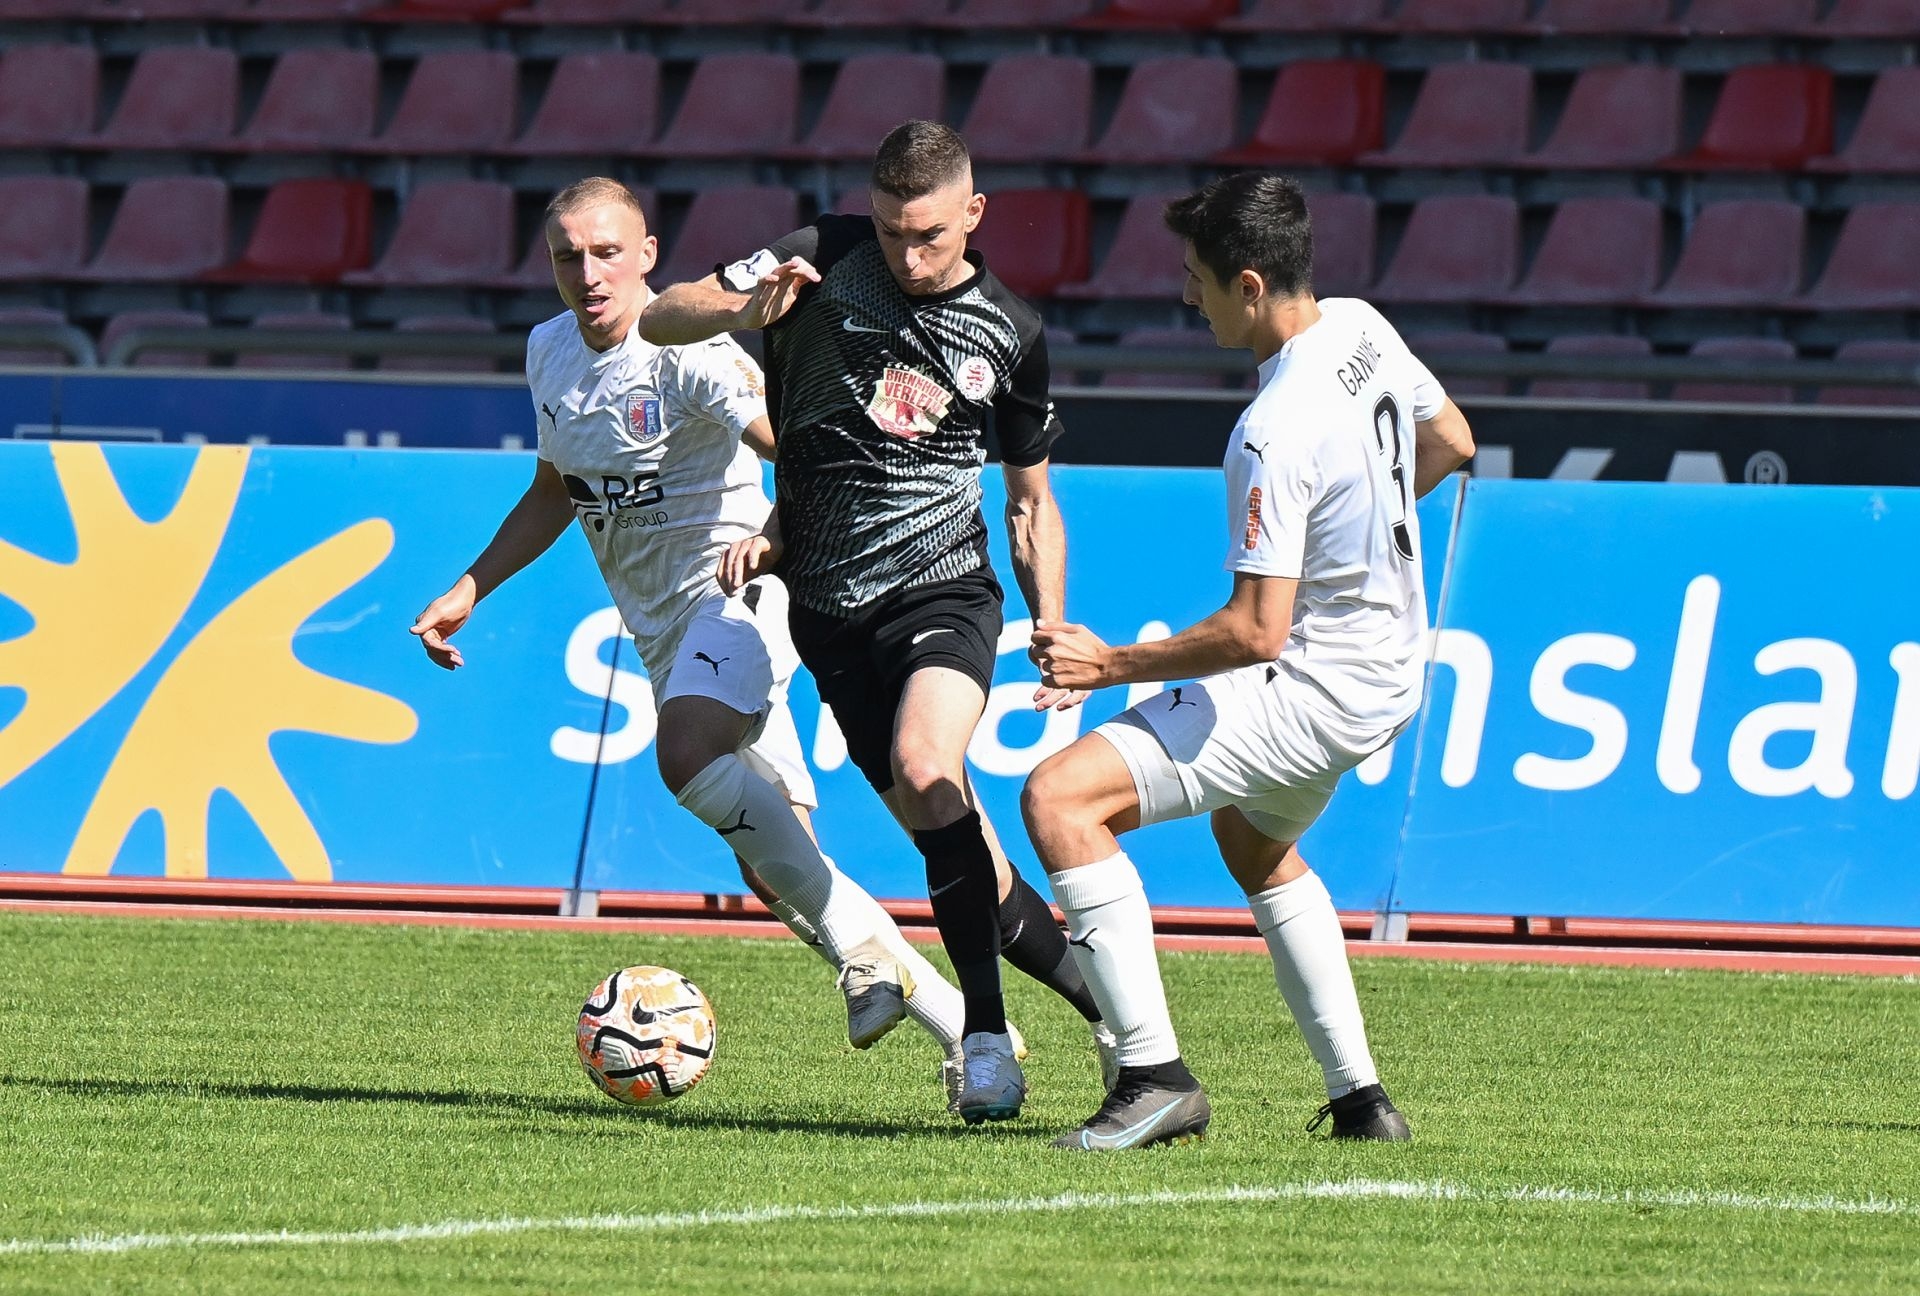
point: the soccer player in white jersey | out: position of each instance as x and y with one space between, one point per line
653 450
1317 660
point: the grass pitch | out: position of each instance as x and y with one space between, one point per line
1577 1130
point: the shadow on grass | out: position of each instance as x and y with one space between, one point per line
601 1110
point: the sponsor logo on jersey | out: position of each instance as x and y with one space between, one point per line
644 420
908 404
1253 517
975 378
750 376
627 504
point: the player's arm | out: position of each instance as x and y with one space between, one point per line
759 438
1252 627
1440 445
750 294
1037 540
529 530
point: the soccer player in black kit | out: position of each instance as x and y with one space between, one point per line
888 345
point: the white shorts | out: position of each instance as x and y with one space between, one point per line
1260 738
738 652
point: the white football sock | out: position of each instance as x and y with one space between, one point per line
1111 931
1310 965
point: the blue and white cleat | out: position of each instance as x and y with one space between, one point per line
992 1086
1138 1113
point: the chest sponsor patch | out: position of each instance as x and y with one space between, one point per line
644 420
975 377
908 404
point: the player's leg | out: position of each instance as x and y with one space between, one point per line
1296 917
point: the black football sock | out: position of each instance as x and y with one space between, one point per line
962 886
1032 941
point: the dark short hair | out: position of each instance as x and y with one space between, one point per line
1249 221
919 157
591 192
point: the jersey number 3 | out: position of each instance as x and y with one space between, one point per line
1390 450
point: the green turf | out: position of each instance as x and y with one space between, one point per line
165 1077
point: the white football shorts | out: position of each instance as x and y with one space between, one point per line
1261 738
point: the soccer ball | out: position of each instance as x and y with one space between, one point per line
646 1035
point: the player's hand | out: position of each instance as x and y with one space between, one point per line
442 617
1071 657
773 297
745 561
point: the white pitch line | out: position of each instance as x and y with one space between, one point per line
1351 1189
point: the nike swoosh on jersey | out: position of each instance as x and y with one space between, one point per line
851 327
928 634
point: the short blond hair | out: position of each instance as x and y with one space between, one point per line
591 192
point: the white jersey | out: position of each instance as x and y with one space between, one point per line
647 439
1320 488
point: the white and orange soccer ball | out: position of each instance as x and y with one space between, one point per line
646 1035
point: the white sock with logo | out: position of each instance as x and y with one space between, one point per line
1111 931
1309 951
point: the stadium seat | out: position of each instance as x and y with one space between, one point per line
414 11
156 358
166 227
974 15
1748 17
43 226
1031 108
1460 16
31 355
724 224
1322 112
737 105
1602 17
1467 115
179 96
1144 261
309 10
1457 248
318 321
49 95
1891 19
721 13
1304 16
316 100
449 363
1172 110
1738 348
1768 118
1434 348
1596 251
309 231
870 13
1740 253
1886 138
28 10
1603 344
602 103
450 232
1192 15
871 94
1196 339
853 201
1622 116
1875 351
1344 225
1035 240
587 12
456 101
1875 263
182 10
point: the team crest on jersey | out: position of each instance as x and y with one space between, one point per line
975 376
907 404
644 420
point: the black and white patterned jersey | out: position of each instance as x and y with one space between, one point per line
879 400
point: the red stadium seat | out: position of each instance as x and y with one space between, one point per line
1738 348
738 105
456 101
1035 240
316 100
605 102
49 94
452 362
719 13
450 232
166 227
1344 226
1596 251
319 321
309 231
857 201
1197 339
309 10
973 15
1768 118
1172 110
1616 117
1603 344
1602 17
179 96
1309 16
1749 17
1892 19
870 13
587 12
1887 137
723 225
1876 351
1031 108
30 355
1322 112
1440 345
156 358
43 226
1195 15
1467 115
1875 263
1464 16
871 94
1457 248
1741 253
1144 261
413 11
